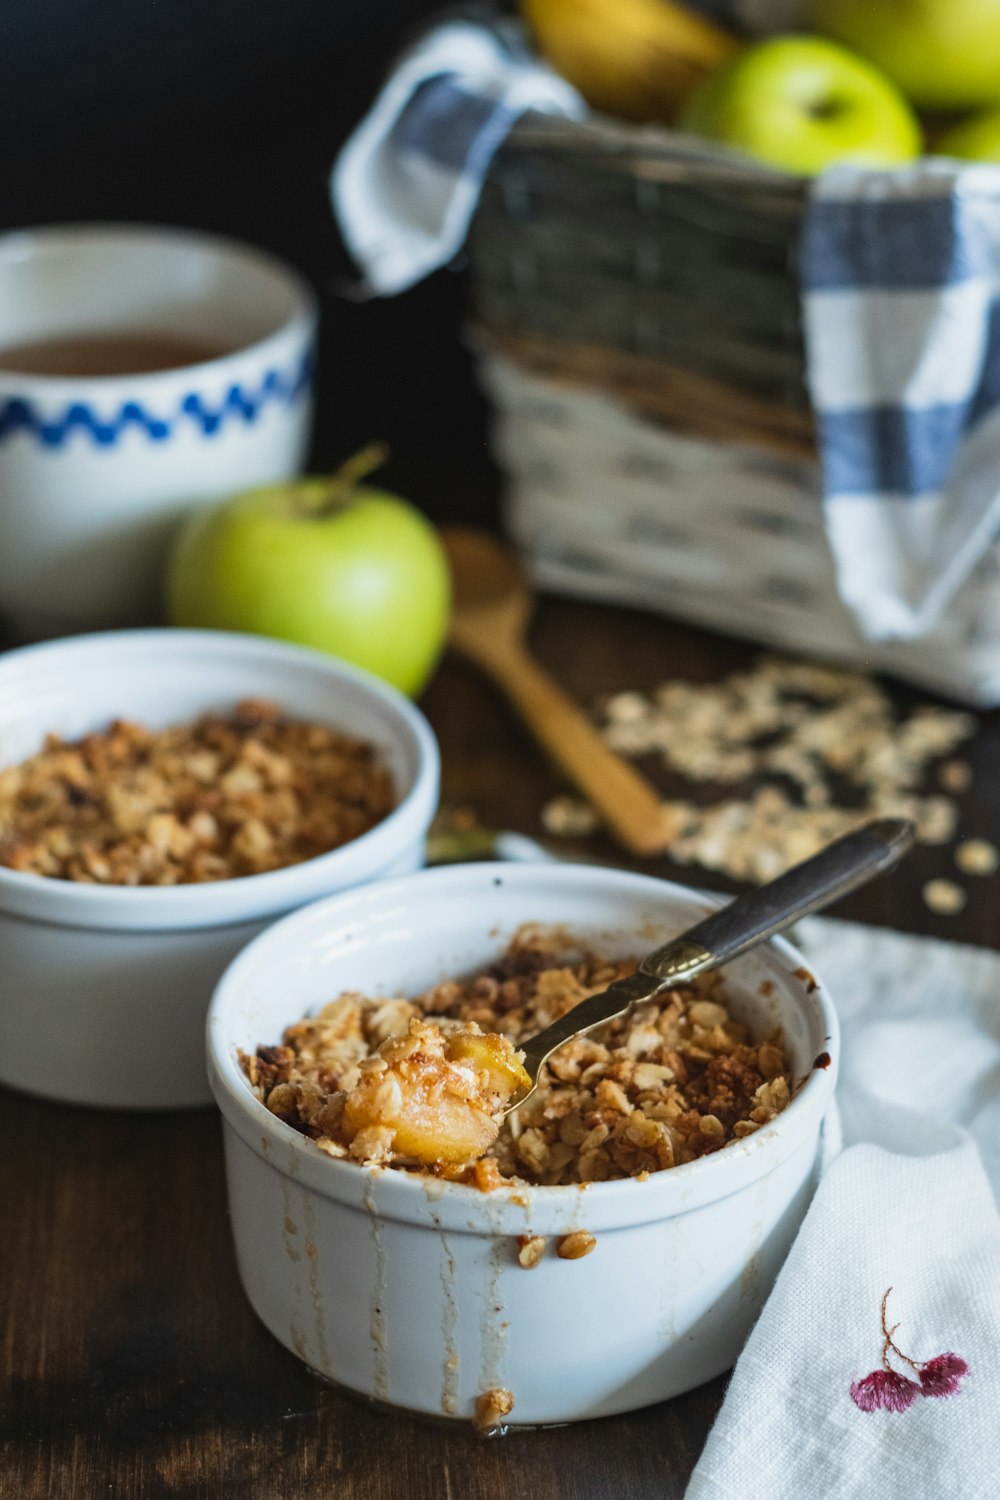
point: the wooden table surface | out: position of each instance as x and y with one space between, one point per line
132 1366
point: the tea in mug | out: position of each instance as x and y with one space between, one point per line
111 353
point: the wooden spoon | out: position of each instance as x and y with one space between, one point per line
493 604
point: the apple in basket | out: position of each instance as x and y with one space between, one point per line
977 139
325 562
804 104
943 54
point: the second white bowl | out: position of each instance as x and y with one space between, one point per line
105 988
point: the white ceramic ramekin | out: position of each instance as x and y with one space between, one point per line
408 1290
103 989
96 469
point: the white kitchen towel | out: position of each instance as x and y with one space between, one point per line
909 1205
406 184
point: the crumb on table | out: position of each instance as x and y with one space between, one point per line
491 1408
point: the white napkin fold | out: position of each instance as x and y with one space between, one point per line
907 1205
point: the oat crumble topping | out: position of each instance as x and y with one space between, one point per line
216 799
674 1080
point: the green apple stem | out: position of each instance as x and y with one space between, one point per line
345 480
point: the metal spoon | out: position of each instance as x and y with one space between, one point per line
748 920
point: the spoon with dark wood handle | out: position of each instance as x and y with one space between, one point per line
748 920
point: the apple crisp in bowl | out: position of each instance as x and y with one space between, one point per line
156 810
225 796
415 1083
617 1239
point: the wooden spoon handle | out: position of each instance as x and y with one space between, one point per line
624 799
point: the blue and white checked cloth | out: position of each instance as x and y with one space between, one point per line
901 290
406 184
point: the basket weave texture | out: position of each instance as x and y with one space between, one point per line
637 312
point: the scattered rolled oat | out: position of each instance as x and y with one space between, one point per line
935 818
820 751
213 800
491 1408
955 776
530 1249
944 897
578 1244
977 857
626 708
568 817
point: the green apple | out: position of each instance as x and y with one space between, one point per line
977 139
943 54
346 569
803 103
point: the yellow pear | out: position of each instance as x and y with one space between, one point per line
639 59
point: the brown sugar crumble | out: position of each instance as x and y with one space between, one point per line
216 799
675 1079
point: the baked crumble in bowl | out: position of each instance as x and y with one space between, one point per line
442 1291
106 983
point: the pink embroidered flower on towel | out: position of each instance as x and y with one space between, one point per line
941 1375
888 1390
884 1389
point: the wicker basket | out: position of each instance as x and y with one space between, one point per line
636 311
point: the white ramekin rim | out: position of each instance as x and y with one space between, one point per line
297 328
222 902
411 1198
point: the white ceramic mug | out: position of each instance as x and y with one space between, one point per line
96 469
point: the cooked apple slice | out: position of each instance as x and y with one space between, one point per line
494 1056
432 1097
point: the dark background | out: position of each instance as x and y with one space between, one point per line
226 115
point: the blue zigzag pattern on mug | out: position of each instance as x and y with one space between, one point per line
19 414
